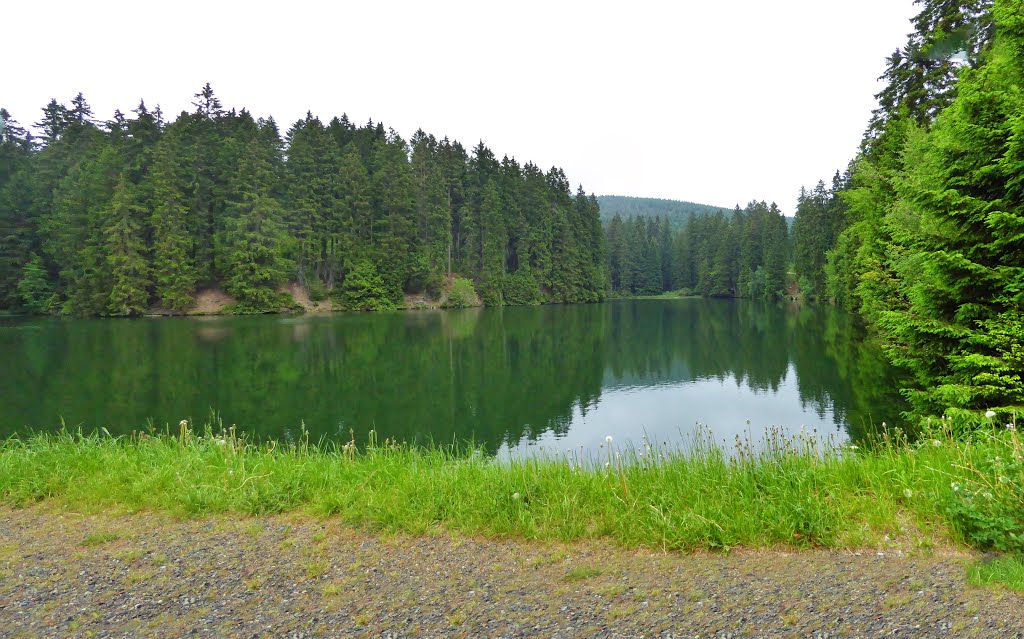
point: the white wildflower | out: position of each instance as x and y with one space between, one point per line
516 496
908 493
936 443
989 414
1004 480
852 446
608 440
955 486
183 423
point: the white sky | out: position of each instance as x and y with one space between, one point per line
713 102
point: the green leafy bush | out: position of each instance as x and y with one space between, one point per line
520 288
364 289
34 287
316 290
988 509
462 294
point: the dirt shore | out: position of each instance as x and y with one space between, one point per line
64 574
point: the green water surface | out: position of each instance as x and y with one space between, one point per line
512 379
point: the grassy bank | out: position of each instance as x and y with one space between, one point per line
789 493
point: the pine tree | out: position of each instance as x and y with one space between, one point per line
254 245
34 286
125 251
173 270
394 209
433 213
961 219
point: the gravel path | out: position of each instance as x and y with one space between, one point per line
70 575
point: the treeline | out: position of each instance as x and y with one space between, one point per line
745 254
136 213
925 238
677 212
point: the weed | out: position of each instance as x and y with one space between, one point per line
1006 571
583 572
316 569
789 491
98 539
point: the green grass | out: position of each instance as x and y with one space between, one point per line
98 539
1007 571
788 492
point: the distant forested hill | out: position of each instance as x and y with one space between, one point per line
675 210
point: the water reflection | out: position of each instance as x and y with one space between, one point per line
511 378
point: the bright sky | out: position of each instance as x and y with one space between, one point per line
711 102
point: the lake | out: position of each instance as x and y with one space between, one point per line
513 379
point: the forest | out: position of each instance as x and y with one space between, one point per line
136 215
676 211
923 237
745 254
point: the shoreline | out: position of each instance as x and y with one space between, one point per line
789 492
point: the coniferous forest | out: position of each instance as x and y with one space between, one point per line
137 214
924 235
743 254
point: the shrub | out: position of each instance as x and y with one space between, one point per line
520 288
364 289
462 294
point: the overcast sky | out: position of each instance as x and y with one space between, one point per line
712 102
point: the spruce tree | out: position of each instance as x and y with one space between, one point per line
125 250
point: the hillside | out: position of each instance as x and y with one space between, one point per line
675 210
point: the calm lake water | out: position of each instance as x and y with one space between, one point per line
514 379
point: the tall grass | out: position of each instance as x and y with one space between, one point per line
786 491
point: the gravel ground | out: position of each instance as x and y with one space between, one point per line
64 574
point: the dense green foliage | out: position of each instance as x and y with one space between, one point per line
137 214
745 254
788 492
675 211
925 236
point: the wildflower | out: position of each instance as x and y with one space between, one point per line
608 440
852 446
989 414
908 493
607 465
1004 480
516 496
183 423
955 486
986 495
936 443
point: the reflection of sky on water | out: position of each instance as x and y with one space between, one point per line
675 413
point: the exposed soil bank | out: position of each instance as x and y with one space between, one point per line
64 574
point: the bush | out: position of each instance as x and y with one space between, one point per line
34 287
520 288
316 290
364 289
462 294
